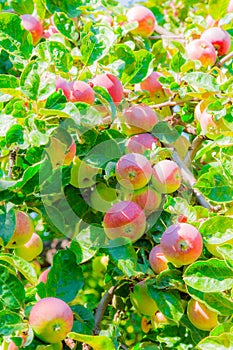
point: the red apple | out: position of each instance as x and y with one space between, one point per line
31 249
64 86
203 51
44 275
140 143
148 199
157 259
50 31
34 26
125 219
70 154
150 84
138 119
81 92
112 84
166 176
23 230
145 18
133 171
181 244
201 316
51 319
219 38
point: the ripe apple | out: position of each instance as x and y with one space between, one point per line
23 230
81 92
51 319
138 119
203 51
148 199
150 84
140 143
166 177
102 197
219 38
31 249
145 18
181 244
82 174
12 346
210 127
200 316
64 86
159 320
34 26
230 6
125 219
142 301
157 259
44 275
112 84
133 171
70 154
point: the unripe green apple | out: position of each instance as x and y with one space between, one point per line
125 219
31 249
166 177
51 319
145 19
200 316
133 171
82 174
103 197
181 244
23 230
142 301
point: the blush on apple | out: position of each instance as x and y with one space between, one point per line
23 230
148 199
145 19
81 92
140 143
203 51
201 316
34 26
112 84
157 259
166 177
150 84
219 38
31 249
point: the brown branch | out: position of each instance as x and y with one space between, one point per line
225 59
101 308
170 104
162 31
12 158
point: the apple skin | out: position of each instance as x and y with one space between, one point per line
157 259
148 199
51 319
138 119
210 21
166 177
50 31
140 143
81 92
141 300
181 244
133 171
145 18
210 127
145 325
203 51
200 316
12 346
102 197
70 154
44 275
64 86
112 84
82 174
31 249
23 230
125 219
34 26
159 320
150 84
219 38
230 6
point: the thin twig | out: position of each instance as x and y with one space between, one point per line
225 59
160 30
12 158
169 104
101 308
122 346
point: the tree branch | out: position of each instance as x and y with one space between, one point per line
162 31
170 103
101 308
225 59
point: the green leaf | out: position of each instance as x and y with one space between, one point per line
68 7
65 277
84 320
221 342
15 135
170 279
215 185
168 302
13 38
22 6
55 53
66 26
227 252
126 54
24 267
7 224
92 48
216 301
196 334
10 322
8 82
165 132
217 230
218 8
201 81
12 292
177 62
96 342
143 61
30 80
103 97
209 276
